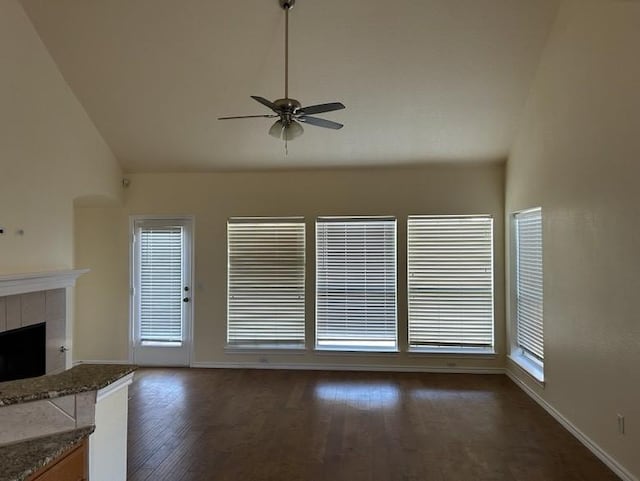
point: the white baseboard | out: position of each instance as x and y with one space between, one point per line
348 367
614 465
100 361
324 367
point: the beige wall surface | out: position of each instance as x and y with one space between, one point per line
102 242
50 152
578 156
102 295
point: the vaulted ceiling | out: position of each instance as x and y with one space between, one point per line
423 80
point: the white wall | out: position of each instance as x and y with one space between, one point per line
50 152
578 156
212 198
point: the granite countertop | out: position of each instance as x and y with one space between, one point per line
20 460
82 378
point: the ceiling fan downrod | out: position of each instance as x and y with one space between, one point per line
286 5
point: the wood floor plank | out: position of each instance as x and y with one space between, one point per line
255 425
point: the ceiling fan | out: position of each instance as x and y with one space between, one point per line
290 112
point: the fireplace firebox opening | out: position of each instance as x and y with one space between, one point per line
22 352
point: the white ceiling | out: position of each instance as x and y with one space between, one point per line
423 80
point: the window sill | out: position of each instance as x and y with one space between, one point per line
354 351
452 352
265 348
161 343
528 366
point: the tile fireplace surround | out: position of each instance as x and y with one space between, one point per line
28 299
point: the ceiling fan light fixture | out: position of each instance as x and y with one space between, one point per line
292 131
288 132
276 129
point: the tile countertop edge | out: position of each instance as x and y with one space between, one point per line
21 460
81 378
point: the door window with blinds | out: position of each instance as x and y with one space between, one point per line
528 285
356 306
266 282
450 283
161 283
161 290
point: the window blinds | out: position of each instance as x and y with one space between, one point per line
529 327
161 283
450 281
266 269
356 283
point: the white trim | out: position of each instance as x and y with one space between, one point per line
299 351
337 349
452 354
266 220
132 307
462 352
600 453
324 352
348 367
11 284
114 387
528 366
527 210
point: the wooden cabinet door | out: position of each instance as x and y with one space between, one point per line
70 467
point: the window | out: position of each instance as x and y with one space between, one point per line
450 283
266 260
160 283
528 291
356 283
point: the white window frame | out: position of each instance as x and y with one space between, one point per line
453 349
524 359
256 345
346 346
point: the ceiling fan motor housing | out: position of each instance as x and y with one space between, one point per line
287 4
286 108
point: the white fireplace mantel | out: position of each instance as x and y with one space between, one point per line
11 284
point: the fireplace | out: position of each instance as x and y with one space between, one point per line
39 301
22 352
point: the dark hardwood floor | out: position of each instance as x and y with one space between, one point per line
259 425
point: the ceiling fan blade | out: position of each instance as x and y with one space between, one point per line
269 116
318 122
320 108
265 102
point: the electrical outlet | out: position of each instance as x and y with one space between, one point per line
620 423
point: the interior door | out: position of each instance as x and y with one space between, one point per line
161 289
